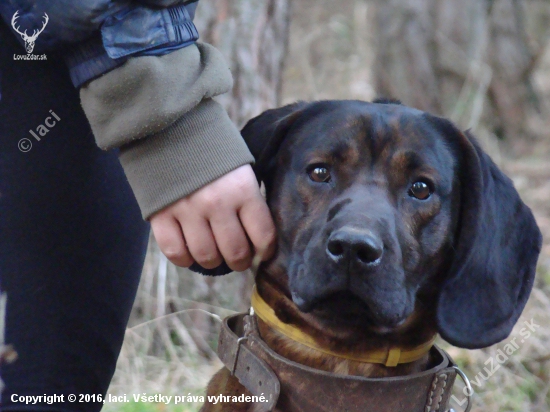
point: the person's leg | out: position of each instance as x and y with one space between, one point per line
72 241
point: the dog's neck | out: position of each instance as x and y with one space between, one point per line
344 344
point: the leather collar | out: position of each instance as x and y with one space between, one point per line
291 387
391 357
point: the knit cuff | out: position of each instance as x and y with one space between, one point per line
198 148
148 94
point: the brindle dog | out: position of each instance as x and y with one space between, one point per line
393 225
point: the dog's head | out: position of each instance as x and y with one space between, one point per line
379 206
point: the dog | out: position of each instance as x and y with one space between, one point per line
393 226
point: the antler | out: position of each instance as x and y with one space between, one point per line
37 32
13 21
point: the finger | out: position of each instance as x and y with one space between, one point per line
201 243
258 224
232 241
169 236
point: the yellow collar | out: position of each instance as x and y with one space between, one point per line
391 357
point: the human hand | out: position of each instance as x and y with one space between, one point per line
216 222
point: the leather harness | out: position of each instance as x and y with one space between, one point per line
291 387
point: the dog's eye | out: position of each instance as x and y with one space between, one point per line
420 190
319 174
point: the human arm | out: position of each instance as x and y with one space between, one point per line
157 109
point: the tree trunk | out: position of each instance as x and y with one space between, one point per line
468 59
253 36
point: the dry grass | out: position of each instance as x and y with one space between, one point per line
169 343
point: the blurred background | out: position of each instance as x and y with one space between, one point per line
483 63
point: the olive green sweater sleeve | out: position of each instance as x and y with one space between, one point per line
158 110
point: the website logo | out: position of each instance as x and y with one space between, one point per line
29 40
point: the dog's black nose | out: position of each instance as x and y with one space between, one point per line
350 245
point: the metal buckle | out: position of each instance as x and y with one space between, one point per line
239 341
468 386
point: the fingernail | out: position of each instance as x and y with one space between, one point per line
256 260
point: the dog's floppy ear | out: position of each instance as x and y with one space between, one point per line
264 135
496 251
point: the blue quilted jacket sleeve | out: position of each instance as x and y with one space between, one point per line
97 36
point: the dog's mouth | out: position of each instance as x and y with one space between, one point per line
346 309
343 304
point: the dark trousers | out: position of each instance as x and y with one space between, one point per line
72 241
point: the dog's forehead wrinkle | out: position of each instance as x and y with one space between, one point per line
347 137
394 128
347 152
337 145
407 161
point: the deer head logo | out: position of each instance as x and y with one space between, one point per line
29 40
